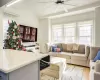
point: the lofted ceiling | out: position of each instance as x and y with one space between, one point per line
42 9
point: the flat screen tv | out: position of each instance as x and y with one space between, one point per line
28 34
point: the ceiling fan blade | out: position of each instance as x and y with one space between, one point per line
67 0
64 8
47 2
56 9
70 4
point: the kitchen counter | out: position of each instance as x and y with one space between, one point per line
12 60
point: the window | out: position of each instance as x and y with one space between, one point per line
85 32
69 33
5 28
79 32
57 33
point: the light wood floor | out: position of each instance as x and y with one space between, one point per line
86 73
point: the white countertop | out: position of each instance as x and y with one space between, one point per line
11 60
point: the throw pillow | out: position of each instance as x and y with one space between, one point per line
70 47
59 45
53 48
75 47
97 57
57 50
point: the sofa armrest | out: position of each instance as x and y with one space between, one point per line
48 47
97 66
93 52
96 76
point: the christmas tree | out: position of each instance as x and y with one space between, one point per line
13 40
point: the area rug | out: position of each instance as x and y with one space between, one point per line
71 73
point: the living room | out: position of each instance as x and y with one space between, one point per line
62 34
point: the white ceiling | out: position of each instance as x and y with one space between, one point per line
42 9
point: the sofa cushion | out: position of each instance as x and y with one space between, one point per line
64 55
61 54
81 49
53 53
79 56
97 66
64 47
70 47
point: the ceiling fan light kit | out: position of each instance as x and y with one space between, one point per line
59 2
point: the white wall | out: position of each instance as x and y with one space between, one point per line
43 33
1 29
24 17
28 18
97 26
74 18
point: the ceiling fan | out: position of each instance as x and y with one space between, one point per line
62 3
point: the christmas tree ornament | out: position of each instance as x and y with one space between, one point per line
14 45
14 37
15 26
8 37
13 34
17 42
18 36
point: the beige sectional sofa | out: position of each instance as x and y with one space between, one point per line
73 53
